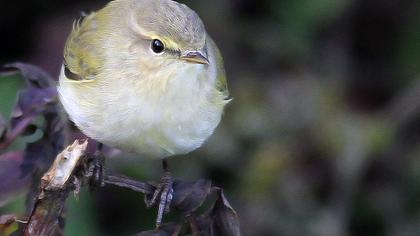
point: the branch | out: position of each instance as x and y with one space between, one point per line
47 215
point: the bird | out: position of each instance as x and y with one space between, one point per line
145 77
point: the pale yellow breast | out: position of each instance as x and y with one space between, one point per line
167 114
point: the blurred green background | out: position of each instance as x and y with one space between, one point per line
322 137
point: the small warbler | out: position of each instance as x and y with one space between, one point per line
145 77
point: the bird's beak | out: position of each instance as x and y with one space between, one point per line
195 57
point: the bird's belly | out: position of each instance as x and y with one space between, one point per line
165 134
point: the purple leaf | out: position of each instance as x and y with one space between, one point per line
225 218
10 174
31 102
39 98
34 76
220 220
34 100
188 196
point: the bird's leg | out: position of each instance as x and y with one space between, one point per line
95 170
165 191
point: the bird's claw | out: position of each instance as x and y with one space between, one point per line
165 191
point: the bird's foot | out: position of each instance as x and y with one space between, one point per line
165 191
95 170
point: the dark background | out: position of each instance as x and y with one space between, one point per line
322 137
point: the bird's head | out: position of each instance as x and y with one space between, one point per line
168 33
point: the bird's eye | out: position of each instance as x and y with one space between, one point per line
157 46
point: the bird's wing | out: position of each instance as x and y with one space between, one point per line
221 83
82 57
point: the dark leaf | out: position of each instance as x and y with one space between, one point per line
34 76
188 196
10 174
31 102
39 98
37 154
164 230
220 220
202 225
225 218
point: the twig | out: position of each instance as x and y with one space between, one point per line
47 214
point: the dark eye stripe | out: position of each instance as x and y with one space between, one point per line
173 51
